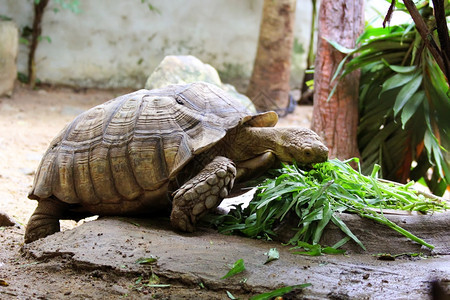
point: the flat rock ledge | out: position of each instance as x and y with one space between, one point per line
115 244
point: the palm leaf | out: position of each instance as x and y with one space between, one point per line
404 103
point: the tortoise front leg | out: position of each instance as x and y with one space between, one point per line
45 219
202 193
255 166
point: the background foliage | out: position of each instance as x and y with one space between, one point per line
404 104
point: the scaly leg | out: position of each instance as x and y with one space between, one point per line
202 193
45 219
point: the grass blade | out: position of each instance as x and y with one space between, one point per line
279 292
237 268
338 222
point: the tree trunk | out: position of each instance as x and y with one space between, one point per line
269 83
39 9
336 120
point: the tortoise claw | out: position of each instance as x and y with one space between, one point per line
181 220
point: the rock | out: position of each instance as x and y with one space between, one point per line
6 220
9 45
181 70
186 69
114 245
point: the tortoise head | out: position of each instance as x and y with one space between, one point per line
290 144
301 145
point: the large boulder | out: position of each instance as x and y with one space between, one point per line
184 69
9 45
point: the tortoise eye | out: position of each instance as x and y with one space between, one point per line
179 100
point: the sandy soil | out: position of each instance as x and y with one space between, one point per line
28 122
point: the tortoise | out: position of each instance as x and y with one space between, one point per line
177 148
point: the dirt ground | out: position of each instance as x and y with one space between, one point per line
28 122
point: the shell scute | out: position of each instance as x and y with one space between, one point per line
101 175
122 173
147 162
82 178
62 184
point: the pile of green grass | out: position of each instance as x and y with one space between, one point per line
317 196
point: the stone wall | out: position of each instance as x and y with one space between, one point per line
113 43
9 39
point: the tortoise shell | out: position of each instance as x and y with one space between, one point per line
128 149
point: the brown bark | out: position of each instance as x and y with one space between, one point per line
39 9
336 120
444 37
269 83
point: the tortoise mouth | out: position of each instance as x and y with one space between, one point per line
309 166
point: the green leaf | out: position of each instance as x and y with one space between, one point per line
312 250
380 33
396 81
237 268
338 222
326 216
154 279
385 221
273 254
72 5
406 92
279 292
5 18
331 250
158 285
230 296
339 47
147 260
333 90
402 69
369 58
44 37
315 249
24 41
342 242
411 107
338 71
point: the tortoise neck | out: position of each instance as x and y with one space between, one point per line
248 142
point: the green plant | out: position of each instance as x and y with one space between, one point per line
278 293
4 18
72 5
236 268
151 7
404 104
316 197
